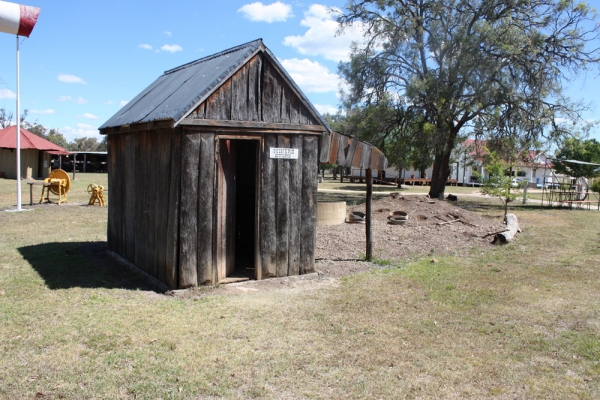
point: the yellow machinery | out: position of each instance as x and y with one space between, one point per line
57 182
96 192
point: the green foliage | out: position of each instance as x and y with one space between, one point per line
580 150
596 186
499 183
463 64
392 126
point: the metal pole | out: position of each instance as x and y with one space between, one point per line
18 133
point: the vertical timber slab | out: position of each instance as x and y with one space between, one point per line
110 165
114 204
310 167
174 190
153 163
268 227
295 208
283 209
254 88
239 95
286 94
218 105
334 145
188 238
140 200
206 179
225 208
271 95
343 148
129 173
295 105
162 188
325 144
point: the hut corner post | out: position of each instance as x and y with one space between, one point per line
369 233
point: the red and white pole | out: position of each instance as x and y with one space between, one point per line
18 20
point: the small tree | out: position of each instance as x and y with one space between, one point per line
499 183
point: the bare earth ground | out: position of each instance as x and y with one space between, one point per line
340 248
425 232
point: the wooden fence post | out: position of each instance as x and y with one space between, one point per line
369 253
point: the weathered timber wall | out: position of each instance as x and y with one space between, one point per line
163 205
144 200
257 92
288 191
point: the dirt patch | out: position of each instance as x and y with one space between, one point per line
431 229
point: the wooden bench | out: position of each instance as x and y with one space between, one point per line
44 184
582 203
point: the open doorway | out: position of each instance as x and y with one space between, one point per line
236 231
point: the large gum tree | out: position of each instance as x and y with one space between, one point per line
457 63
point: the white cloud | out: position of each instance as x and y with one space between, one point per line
321 39
108 103
123 102
169 33
6 94
81 130
90 116
47 111
145 46
71 79
258 12
64 98
326 108
171 48
311 76
81 100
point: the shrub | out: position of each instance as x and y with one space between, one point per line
596 186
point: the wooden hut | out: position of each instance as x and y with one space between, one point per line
213 171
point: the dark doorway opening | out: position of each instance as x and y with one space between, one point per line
236 209
245 207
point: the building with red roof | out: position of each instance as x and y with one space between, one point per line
35 153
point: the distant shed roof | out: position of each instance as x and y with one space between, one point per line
175 93
8 140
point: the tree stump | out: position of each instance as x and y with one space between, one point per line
512 227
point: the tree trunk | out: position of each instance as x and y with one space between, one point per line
441 167
441 171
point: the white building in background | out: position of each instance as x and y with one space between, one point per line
537 167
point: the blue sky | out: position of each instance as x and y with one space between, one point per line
85 59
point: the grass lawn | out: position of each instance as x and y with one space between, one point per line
518 321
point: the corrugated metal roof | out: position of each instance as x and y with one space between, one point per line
179 90
8 140
174 93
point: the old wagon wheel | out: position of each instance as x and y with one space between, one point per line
59 174
91 187
582 188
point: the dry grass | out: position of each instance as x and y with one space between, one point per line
520 321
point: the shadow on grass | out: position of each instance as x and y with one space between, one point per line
65 265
